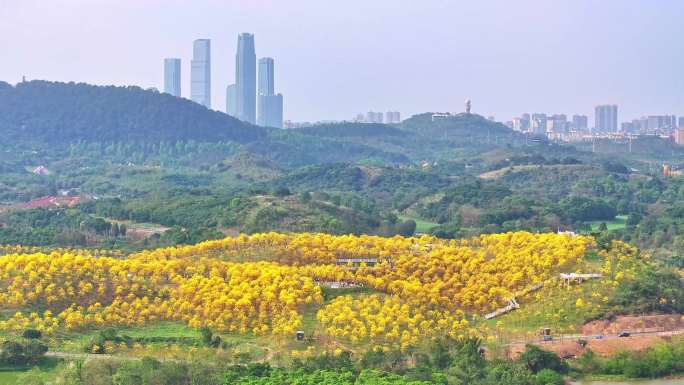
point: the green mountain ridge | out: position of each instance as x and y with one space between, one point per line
59 113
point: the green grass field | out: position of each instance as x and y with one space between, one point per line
422 226
15 375
620 222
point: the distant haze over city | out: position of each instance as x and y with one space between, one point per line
334 60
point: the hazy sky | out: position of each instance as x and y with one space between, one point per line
335 59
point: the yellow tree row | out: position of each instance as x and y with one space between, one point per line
87 291
389 321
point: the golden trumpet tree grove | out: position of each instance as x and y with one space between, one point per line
261 284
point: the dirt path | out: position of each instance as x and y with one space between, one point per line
88 356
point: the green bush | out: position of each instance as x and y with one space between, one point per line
537 359
549 377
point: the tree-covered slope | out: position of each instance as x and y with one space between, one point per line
460 128
61 113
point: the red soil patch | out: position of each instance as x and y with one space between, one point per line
660 328
52 201
635 324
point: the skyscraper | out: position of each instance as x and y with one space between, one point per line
231 100
172 76
245 78
606 118
200 74
270 105
266 76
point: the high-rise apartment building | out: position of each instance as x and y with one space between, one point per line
172 76
538 124
245 78
681 121
521 123
679 136
392 117
271 110
200 72
374 117
231 100
557 124
606 118
270 105
517 124
580 122
628 127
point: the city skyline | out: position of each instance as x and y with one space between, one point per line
467 48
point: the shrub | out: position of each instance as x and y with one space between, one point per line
537 359
549 377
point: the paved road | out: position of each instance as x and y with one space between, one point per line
574 337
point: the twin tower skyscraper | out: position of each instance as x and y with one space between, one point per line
243 99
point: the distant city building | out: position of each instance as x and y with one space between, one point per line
521 123
245 78
200 72
441 116
271 110
526 117
231 100
628 127
172 76
606 118
679 136
681 122
392 117
266 76
639 125
659 122
373 117
580 122
270 105
517 124
557 124
538 124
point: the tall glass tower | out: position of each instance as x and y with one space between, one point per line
245 78
231 100
200 74
266 75
172 76
270 104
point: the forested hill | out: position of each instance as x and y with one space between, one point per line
43 115
60 113
460 128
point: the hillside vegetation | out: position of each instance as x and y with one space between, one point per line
41 112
